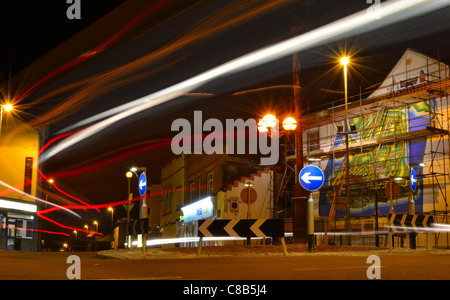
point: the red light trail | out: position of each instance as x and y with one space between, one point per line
93 52
38 230
136 149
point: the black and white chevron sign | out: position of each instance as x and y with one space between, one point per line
241 228
403 223
137 226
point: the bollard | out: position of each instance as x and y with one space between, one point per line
283 243
199 248
428 240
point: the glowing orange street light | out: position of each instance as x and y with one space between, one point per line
345 61
7 107
289 124
268 122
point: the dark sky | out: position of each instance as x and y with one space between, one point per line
34 28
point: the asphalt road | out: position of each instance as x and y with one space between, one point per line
17 266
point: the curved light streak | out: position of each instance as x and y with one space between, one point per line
94 51
391 12
32 229
39 199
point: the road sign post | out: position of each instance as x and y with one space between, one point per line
412 208
413 184
311 178
142 185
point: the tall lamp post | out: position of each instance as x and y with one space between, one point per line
111 210
289 125
128 206
344 62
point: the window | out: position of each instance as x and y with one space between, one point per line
209 183
178 191
199 187
191 191
28 175
167 200
313 141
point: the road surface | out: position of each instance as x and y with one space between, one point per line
17 266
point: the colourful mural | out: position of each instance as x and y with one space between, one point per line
380 161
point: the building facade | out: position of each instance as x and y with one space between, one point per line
172 197
198 187
19 185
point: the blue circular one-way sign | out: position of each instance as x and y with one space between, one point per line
413 180
142 184
311 178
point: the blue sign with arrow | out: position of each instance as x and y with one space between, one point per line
311 178
142 184
413 180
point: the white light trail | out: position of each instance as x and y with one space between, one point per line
155 242
391 12
435 227
357 233
38 199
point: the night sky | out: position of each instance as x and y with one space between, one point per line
33 29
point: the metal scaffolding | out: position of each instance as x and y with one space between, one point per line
386 130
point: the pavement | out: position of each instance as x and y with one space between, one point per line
260 250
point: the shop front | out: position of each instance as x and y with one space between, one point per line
17 224
202 209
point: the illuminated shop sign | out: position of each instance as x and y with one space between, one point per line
18 206
198 210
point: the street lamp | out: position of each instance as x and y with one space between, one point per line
96 225
289 124
6 107
267 123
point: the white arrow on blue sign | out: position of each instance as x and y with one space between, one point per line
413 180
142 184
311 178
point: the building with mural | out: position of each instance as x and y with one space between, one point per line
400 127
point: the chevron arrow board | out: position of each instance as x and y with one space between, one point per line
137 226
241 228
403 223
